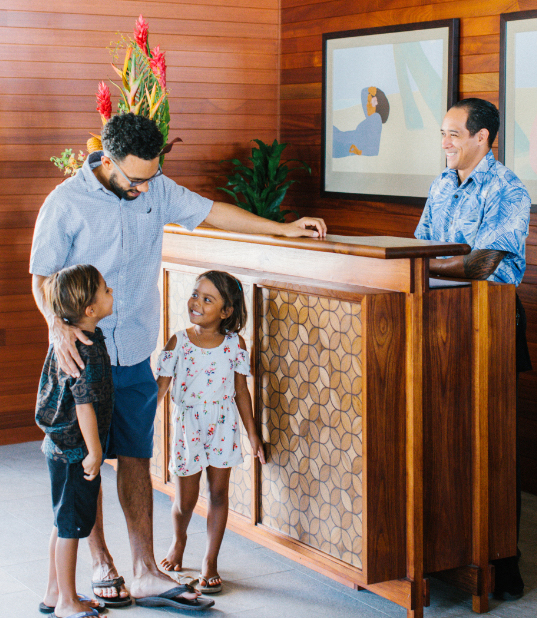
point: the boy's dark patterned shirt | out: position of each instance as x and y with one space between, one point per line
59 395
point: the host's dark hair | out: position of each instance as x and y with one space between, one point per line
69 291
230 289
383 105
130 134
481 115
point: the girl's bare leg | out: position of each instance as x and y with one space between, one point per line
218 505
187 489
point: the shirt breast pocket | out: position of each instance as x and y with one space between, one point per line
146 229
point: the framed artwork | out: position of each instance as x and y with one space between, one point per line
517 138
385 93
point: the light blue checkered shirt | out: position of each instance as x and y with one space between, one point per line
81 222
489 210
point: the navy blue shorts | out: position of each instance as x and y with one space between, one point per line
131 430
74 499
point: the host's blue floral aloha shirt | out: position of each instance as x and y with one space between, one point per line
489 210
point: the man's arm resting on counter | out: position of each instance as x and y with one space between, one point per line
235 219
63 336
478 264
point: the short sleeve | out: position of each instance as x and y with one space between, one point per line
166 362
93 385
505 221
182 206
52 239
242 362
423 231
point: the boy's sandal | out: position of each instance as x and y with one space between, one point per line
87 614
210 585
49 609
116 583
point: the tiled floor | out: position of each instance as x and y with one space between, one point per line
258 583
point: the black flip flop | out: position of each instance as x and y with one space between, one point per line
116 583
172 598
49 609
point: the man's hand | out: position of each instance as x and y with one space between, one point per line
235 219
63 337
307 226
91 464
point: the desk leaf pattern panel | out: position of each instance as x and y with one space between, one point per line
310 375
180 285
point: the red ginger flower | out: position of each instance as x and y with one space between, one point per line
158 66
141 28
104 102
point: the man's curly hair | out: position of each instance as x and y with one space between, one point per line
130 134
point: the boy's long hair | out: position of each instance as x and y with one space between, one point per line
69 291
230 289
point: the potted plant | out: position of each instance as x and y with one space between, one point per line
262 185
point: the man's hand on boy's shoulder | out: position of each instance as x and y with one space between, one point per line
64 338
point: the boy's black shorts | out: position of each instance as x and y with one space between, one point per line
74 499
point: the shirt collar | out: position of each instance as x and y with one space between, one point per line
138 205
97 336
93 161
478 173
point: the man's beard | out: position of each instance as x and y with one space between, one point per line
121 193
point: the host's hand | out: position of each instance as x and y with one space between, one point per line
64 336
307 226
91 464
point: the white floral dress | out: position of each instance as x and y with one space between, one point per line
205 415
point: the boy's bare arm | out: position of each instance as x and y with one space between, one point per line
87 421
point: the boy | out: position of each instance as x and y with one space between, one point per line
75 414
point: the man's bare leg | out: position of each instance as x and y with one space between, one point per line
136 497
103 563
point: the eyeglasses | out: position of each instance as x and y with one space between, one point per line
136 183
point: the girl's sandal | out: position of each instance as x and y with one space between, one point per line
211 585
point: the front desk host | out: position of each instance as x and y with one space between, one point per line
478 201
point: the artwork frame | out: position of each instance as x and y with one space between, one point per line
517 137
402 54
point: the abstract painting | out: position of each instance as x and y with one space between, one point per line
385 93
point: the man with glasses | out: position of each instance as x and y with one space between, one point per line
112 215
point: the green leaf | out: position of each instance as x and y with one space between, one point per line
262 179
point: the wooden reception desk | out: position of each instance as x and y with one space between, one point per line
387 406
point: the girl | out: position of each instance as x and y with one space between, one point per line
209 364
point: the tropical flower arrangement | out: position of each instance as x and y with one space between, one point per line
142 89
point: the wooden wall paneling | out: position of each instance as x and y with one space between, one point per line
223 80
